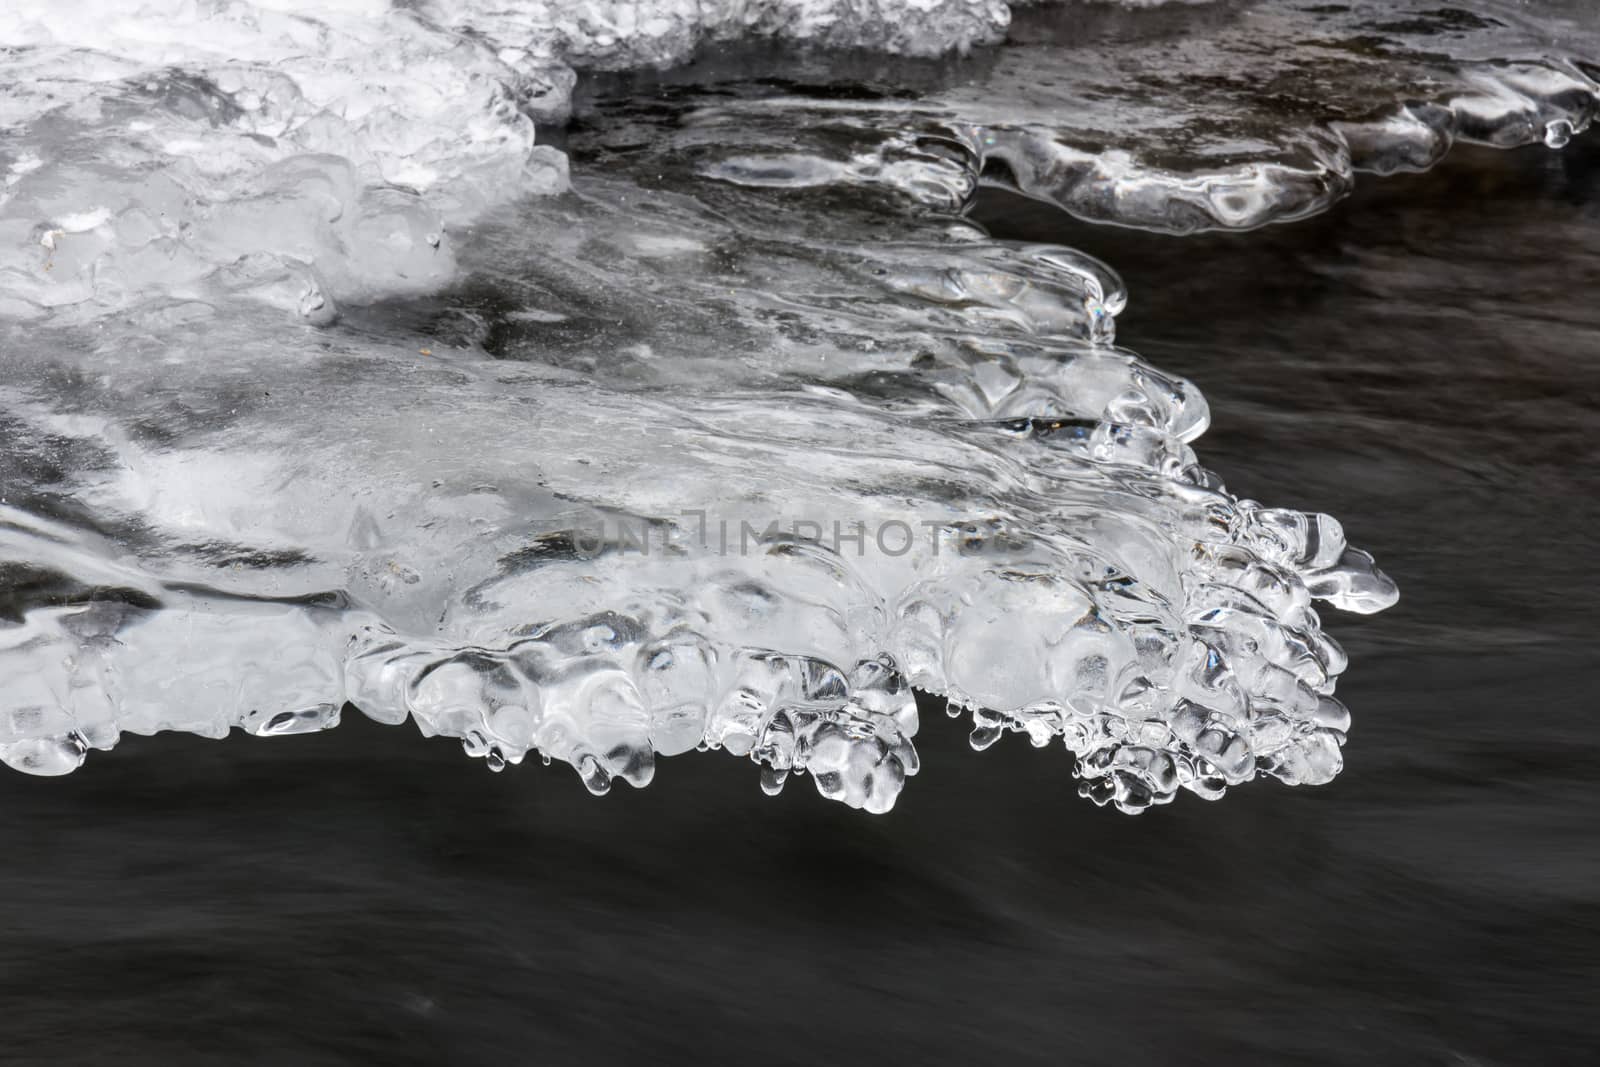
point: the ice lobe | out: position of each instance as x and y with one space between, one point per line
680 464
1219 116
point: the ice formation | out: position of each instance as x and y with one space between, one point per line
1223 116
324 383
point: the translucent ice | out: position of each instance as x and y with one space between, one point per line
1218 116
324 384
618 34
663 473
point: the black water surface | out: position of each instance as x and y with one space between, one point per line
1424 362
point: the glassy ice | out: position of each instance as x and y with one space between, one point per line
327 380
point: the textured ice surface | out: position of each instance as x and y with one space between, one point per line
322 386
816 459
617 34
1220 116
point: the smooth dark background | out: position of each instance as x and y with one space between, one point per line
1424 363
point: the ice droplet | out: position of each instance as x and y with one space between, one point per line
772 780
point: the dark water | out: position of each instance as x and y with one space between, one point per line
1423 363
